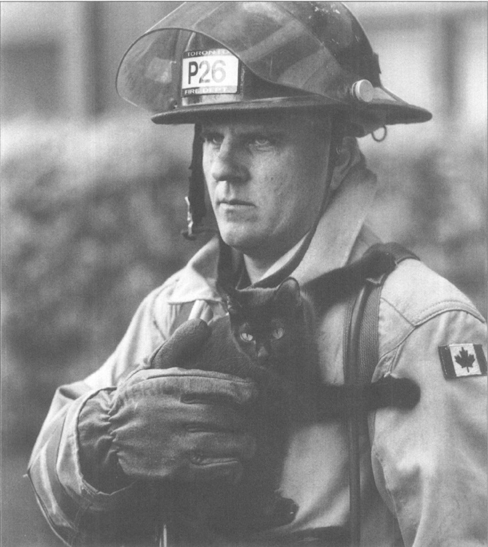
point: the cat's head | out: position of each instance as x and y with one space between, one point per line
263 321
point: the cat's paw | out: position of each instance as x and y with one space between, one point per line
186 341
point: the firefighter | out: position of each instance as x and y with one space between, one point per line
279 93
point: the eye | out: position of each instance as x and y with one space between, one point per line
278 333
261 141
212 137
247 337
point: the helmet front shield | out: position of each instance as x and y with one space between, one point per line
315 48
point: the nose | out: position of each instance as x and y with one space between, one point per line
227 163
263 355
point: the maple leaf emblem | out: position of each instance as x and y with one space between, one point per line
465 359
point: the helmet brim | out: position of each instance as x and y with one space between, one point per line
373 115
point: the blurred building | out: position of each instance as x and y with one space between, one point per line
60 58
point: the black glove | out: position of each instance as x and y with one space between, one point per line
181 424
172 423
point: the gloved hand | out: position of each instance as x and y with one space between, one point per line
182 424
171 423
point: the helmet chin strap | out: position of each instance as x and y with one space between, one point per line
196 193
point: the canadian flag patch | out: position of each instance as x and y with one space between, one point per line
461 360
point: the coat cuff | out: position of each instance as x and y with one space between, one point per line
98 460
69 469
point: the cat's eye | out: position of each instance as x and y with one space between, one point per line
247 337
278 333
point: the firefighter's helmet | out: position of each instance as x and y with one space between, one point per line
214 57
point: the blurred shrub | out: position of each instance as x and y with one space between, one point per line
433 199
91 223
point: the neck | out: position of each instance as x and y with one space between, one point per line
256 268
259 267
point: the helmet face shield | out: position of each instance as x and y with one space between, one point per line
269 41
214 56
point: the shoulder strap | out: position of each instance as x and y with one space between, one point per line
360 360
368 317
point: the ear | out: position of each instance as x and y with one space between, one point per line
345 158
289 293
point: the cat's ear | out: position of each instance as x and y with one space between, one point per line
232 301
233 307
289 293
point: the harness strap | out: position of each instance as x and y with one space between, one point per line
368 341
360 360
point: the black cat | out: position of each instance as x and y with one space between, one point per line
264 337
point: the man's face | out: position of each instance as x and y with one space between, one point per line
266 180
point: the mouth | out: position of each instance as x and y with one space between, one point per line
230 203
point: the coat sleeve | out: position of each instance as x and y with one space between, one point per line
429 463
73 508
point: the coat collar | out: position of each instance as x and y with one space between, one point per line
340 225
331 246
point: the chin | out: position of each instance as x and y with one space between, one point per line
241 240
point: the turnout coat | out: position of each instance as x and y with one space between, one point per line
423 471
